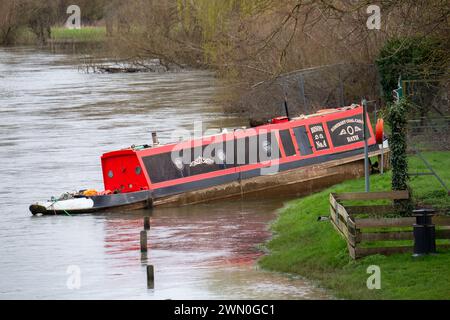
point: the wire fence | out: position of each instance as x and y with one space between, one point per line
428 124
429 118
309 90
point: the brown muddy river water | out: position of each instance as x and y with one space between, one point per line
55 124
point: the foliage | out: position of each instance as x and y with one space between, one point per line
411 58
19 17
248 42
34 15
397 120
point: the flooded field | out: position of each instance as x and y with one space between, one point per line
55 124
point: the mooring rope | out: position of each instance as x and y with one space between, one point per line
53 207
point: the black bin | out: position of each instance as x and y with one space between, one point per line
424 232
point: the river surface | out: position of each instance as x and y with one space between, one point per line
55 124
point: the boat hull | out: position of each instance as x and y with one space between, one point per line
122 201
299 181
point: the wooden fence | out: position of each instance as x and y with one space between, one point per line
360 224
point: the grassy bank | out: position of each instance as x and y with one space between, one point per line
25 36
313 249
85 34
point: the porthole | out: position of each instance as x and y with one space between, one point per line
110 174
138 170
178 162
221 155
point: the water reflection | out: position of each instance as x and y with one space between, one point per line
204 251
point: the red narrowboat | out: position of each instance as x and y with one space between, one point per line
296 155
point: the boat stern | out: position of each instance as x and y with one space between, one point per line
123 172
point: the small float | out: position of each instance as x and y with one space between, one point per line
298 155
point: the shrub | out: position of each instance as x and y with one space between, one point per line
397 121
411 58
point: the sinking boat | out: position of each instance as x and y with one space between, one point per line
297 155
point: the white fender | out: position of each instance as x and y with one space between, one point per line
71 204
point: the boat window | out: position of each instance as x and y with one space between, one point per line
247 151
211 158
110 174
319 137
241 154
303 141
208 158
189 162
268 148
286 140
160 168
255 149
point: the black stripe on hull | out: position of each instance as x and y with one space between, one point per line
206 183
121 199
102 203
201 184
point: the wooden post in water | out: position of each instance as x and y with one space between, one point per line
155 139
144 258
150 277
143 241
146 223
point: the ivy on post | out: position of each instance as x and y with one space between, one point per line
397 119
397 142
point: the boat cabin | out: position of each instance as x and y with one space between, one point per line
240 154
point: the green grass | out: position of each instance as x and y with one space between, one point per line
84 34
304 246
